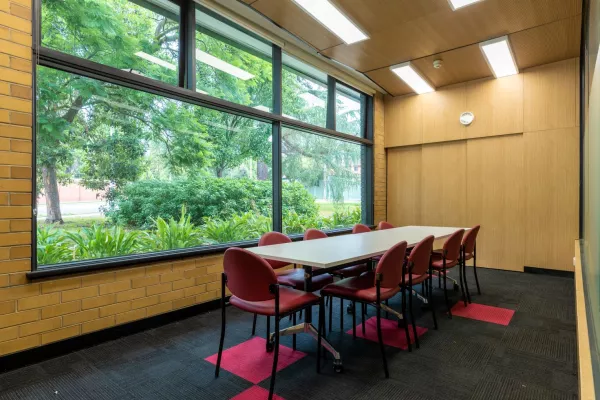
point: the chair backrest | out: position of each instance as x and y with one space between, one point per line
271 238
313 233
420 255
390 266
470 238
452 245
360 228
384 225
248 275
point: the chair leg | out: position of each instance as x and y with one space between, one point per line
446 294
222 340
275 356
475 272
404 318
412 317
354 319
330 313
341 315
380 337
462 284
439 279
301 314
464 269
294 335
254 325
364 311
387 303
431 303
321 328
268 331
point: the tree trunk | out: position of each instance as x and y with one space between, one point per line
219 172
262 171
53 213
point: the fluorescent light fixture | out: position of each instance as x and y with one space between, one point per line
328 15
499 57
456 4
222 65
156 60
412 78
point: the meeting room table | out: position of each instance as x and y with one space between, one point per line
329 254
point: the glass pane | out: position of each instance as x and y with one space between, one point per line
231 64
348 111
140 37
123 172
326 174
304 92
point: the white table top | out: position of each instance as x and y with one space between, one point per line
344 249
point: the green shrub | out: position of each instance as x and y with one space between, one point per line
138 204
173 234
99 241
298 223
52 246
343 217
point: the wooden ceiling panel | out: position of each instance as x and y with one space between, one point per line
547 43
294 19
444 29
389 81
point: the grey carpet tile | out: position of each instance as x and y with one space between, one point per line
532 358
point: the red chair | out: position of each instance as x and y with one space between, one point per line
293 278
384 225
360 228
418 271
469 248
374 288
449 258
254 288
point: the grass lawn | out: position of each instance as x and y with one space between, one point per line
72 224
327 208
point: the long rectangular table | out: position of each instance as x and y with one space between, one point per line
334 252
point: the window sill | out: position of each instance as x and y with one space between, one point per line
78 267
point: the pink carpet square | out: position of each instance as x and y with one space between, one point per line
481 312
392 335
256 393
250 360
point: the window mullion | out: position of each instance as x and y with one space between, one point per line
331 112
187 45
277 177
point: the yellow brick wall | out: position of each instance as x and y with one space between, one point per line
380 161
41 312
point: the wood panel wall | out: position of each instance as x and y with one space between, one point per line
514 170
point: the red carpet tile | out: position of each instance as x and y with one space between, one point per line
250 360
256 393
481 312
392 335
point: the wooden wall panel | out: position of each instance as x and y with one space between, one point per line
551 96
495 200
404 186
441 113
403 121
497 105
552 197
443 184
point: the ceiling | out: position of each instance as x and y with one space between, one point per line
540 32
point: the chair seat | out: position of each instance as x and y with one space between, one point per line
416 279
468 256
348 272
359 288
295 278
289 300
437 261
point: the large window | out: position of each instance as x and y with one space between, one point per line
144 166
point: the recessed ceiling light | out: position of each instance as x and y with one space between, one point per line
156 60
456 4
222 65
499 57
328 15
412 78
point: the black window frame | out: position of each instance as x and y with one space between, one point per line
186 92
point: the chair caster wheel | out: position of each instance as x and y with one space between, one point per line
337 366
270 346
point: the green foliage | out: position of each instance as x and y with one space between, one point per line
237 228
343 217
139 203
99 241
52 246
173 234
